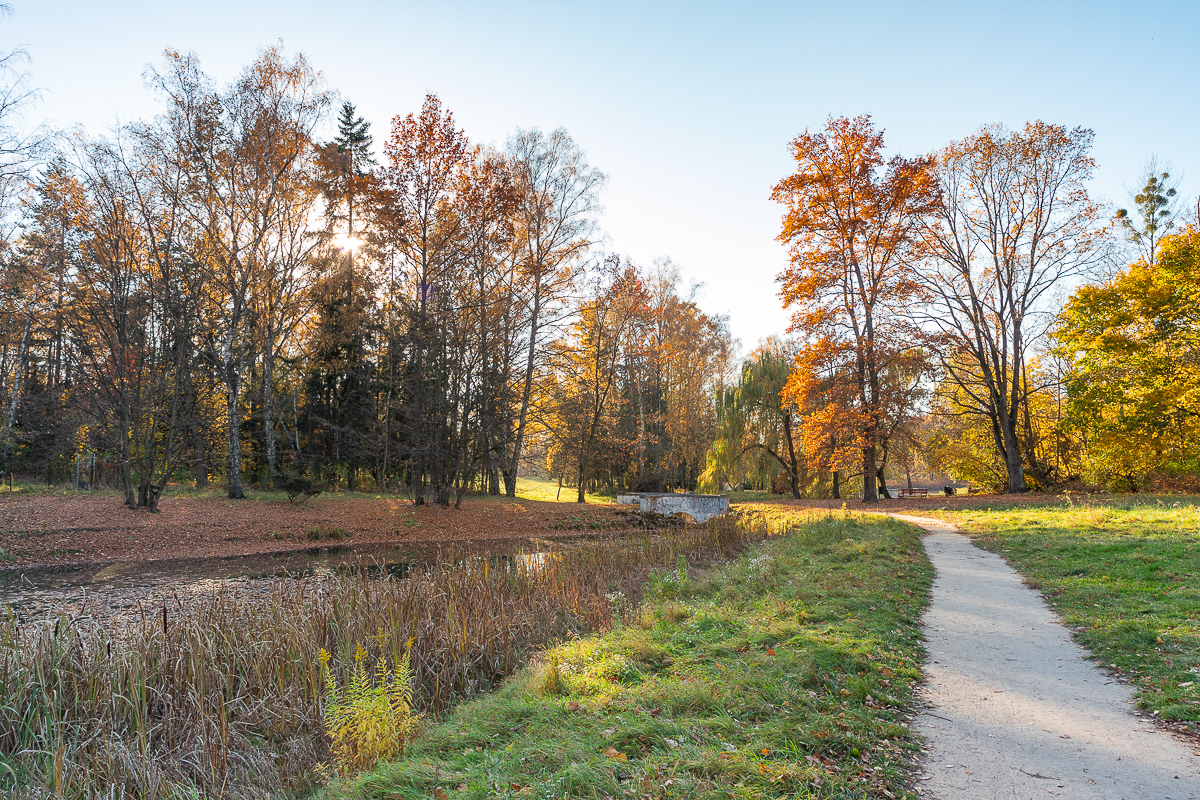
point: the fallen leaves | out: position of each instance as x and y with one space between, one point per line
616 754
89 528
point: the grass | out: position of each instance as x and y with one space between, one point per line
784 673
1124 576
537 489
221 695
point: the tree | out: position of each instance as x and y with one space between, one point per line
346 166
418 225
676 359
18 146
1155 204
249 189
581 398
851 228
1014 222
754 418
491 289
1134 383
557 200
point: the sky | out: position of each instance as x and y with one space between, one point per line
687 107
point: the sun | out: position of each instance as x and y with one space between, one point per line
343 241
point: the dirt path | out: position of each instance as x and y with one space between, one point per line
1013 707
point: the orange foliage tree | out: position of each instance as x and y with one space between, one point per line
850 227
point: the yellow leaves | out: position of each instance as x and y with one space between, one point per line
372 718
615 754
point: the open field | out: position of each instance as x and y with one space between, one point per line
787 672
1124 574
42 527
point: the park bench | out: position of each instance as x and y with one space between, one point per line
913 493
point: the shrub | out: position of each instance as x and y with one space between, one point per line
372 718
667 583
298 487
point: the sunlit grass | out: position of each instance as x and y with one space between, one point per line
786 673
537 489
1125 576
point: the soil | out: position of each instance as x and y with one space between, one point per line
48 530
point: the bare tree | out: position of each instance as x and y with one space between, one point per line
1015 221
558 199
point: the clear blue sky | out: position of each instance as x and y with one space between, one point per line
687 106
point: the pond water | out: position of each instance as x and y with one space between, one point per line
121 585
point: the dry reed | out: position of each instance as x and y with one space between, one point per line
221 695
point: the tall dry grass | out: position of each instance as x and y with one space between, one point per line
221 695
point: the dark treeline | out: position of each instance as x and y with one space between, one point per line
218 295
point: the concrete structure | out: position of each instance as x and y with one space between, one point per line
700 507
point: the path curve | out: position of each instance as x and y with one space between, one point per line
1014 708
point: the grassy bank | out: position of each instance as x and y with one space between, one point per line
222 696
783 673
1125 576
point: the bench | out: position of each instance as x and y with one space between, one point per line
912 493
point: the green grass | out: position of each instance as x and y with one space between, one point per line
783 673
537 489
1125 576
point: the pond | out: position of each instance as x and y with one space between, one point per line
115 587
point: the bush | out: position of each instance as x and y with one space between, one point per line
372 718
298 487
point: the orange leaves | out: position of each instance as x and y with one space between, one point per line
851 226
615 754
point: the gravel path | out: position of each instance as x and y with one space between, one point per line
1014 708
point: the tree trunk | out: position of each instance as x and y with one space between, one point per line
510 477
234 461
201 455
883 490
794 470
870 495
1006 442
14 401
131 499
581 498
268 417
837 484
